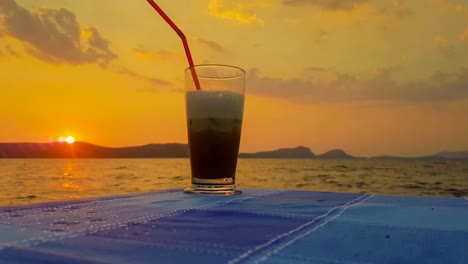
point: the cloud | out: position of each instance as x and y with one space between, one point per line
316 69
212 45
358 9
441 44
464 35
398 8
456 7
153 81
320 36
235 10
155 55
11 51
380 86
163 55
54 35
327 4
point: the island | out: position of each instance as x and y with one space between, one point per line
180 150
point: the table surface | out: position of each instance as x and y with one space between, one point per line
260 225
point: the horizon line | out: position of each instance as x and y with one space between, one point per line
279 148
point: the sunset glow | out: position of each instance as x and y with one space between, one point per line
370 77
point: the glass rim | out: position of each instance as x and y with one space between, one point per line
242 71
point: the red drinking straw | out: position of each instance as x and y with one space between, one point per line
184 40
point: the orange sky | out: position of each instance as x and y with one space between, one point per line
371 77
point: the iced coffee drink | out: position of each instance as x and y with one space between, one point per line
214 123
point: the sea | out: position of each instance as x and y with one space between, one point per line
28 181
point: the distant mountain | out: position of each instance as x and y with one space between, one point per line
298 153
283 153
176 150
86 150
444 155
335 154
452 154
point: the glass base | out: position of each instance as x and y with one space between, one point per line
230 189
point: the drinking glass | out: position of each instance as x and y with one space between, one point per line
214 124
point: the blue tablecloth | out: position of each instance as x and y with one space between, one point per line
270 226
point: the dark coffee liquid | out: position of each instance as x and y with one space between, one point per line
214 147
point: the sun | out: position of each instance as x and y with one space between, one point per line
70 139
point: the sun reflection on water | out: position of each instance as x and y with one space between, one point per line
70 186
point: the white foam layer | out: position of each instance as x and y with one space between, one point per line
214 104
